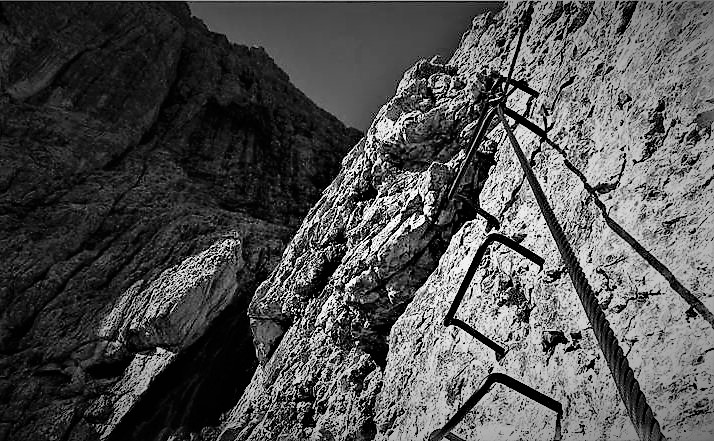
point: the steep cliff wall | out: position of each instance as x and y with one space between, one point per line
349 325
151 173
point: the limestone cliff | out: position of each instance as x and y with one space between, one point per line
151 173
349 326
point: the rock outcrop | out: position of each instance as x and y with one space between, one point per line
151 174
349 326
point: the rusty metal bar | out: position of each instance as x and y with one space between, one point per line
484 121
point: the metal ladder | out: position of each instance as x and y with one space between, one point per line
494 105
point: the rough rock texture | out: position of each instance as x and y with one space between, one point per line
151 173
349 326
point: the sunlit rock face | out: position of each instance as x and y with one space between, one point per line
151 173
349 326
321 322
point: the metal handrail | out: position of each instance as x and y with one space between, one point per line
484 121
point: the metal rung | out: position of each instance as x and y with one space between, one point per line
491 220
522 85
511 383
451 437
493 237
525 122
500 352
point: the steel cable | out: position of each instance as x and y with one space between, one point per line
640 413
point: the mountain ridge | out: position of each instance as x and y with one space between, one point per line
151 174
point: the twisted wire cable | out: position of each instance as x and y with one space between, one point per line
655 263
640 413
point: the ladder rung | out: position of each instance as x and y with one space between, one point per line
500 352
509 382
451 437
480 252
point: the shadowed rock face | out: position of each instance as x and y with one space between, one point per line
349 326
151 174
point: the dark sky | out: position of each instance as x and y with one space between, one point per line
347 57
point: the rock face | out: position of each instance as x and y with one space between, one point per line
349 326
151 173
